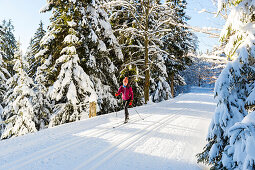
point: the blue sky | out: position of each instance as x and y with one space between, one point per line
26 18
204 20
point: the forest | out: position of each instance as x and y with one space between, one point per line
90 46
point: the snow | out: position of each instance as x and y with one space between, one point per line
102 46
250 118
242 144
93 97
250 99
93 36
71 39
47 38
72 94
69 50
169 137
41 53
71 23
250 148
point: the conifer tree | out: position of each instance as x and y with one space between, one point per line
1 36
232 88
178 43
205 69
8 44
43 106
19 114
73 88
33 49
4 74
78 53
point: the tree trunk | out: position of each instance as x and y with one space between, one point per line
172 85
146 56
199 79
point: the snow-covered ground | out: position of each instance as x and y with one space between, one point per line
169 137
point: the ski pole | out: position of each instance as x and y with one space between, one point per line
139 115
115 112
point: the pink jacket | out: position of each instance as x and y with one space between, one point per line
127 92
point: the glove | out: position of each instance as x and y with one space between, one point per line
116 94
131 101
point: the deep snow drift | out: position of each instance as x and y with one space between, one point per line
169 137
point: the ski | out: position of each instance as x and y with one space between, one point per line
119 125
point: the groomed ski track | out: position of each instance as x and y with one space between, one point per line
169 137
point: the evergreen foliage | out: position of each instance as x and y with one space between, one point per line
79 60
4 74
79 51
33 49
19 115
227 137
179 43
8 44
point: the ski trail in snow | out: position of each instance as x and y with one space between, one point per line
133 142
124 143
172 133
58 147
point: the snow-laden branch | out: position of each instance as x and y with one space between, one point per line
214 13
127 5
133 46
131 7
205 30
134 62
130 30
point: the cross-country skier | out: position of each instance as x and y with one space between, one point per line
127 96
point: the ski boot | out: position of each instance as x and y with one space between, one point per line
126 118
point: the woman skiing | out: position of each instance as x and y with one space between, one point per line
127 96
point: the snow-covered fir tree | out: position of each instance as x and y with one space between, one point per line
73 88
228 139
33 49
43 106
102 54
1 35
78 51
19 115
4 75
179 43
8 44
240 153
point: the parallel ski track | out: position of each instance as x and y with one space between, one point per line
68 143
31 143
58 147
126 142
36 141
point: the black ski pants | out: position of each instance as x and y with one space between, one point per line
126 103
